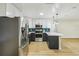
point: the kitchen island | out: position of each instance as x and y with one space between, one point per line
54 40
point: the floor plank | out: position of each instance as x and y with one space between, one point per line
70 47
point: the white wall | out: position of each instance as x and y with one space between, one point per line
70 29
12 10
30 22
2 9
7 9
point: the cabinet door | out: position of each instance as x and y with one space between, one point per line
53 42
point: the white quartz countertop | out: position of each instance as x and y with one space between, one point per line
31 32
54 34
51 33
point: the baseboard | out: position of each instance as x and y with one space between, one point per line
70 37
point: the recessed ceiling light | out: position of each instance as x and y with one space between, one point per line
74 7
56 13
41 14
53 9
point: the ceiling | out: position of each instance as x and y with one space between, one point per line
50 10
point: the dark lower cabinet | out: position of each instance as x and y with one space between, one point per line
53 42
45 37
31 37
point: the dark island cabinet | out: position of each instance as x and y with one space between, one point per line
53 42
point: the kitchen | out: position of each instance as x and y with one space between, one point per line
45 29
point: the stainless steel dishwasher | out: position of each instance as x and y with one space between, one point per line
9 36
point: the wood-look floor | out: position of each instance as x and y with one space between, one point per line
70 47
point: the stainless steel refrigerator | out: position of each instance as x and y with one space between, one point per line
9 36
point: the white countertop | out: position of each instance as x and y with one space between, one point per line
54 34
51 33
31 32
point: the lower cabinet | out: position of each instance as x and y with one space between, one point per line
45 37
31 37
53 42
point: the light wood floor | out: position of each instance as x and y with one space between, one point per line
70 47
